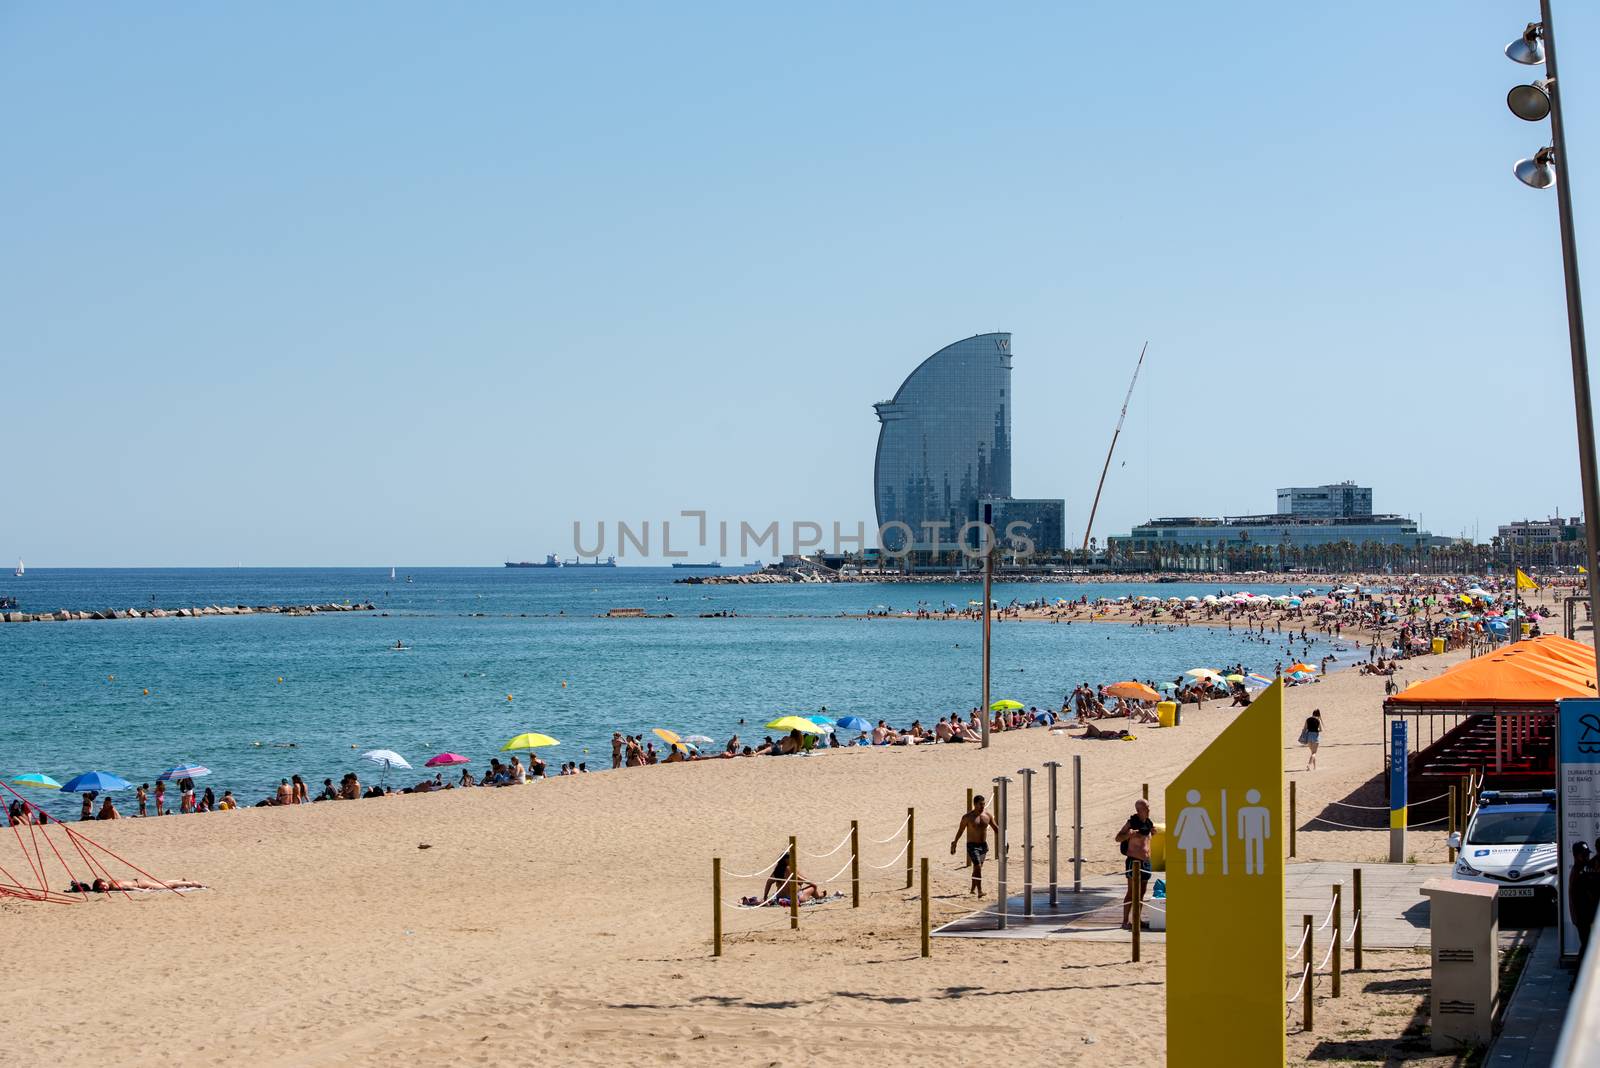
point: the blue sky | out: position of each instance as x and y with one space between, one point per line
386 283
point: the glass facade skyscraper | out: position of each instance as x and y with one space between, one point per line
945 443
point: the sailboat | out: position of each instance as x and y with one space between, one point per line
391 574
20 569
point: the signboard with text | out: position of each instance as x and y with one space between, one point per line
1225 880
1578 790
1399 787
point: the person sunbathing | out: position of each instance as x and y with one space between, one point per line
1101 734
779 882
106 886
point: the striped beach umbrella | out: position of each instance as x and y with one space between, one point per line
37 780
184 771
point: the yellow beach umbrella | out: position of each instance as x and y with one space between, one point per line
1234 678
795 723
1202 673
1006 706
531 740
670 737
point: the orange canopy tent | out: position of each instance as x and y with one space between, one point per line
1509 700
1530 675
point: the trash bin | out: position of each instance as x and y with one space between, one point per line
1167 713
1527 629
1438 646
1158 848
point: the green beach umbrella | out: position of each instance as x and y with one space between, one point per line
1006 706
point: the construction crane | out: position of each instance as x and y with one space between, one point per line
1114 435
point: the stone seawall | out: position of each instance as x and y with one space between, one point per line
64 615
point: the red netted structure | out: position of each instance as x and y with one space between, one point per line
47 846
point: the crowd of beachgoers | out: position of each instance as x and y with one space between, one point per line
1380 625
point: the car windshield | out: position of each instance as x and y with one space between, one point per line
1494 828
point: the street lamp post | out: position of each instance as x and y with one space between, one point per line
1549 167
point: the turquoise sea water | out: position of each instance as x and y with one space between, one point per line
71 694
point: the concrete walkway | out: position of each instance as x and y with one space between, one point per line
1532 1022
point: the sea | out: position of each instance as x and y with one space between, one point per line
489 653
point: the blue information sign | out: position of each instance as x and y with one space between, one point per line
1398 751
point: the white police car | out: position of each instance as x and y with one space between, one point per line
1511 844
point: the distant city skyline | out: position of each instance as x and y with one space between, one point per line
363 285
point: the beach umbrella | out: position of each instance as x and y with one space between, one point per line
445 760
1201 673
1135 691
531 740
854 723
184 771
95 782
670 737
385 759
1234 678
700 739
1253 679
822 721
1302 667
37 780
795 723
1006 705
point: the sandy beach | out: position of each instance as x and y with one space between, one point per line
570 919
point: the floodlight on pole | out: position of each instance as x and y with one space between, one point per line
1527 49
1538 172
1531 103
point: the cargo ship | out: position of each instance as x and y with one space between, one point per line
610 561
701 567
549 561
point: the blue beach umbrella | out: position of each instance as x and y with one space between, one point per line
184 771
853 723
94 782
821 721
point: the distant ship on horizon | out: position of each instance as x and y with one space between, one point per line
551 560
700 567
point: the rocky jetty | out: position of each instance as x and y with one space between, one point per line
66 615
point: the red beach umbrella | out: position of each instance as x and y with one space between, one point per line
445 760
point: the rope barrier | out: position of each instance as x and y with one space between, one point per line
1385 808
895 859
1324 925
831 852
1329 955
1346 826
1301 948
841 871
896 834
1430 823
1350 939
1303 975
760 873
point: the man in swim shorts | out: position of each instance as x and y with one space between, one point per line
975 825
1134 838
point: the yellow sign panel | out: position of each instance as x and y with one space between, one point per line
1225 927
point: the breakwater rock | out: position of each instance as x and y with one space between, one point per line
66 615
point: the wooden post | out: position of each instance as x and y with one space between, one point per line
1450 850
969 799
1355 916
855 864
1338 933
1292 819
995 811
716 906
794 885
1133 913
926 950
1308 995
1145 789
911 841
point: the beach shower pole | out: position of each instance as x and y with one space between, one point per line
926 950
1054 766
1000 854
987 534
1077 824
1027 840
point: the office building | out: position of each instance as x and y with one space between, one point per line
1341 500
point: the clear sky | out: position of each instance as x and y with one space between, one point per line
362 284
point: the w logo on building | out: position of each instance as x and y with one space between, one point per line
1003 344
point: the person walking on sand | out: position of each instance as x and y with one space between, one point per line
1311 737
975 824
